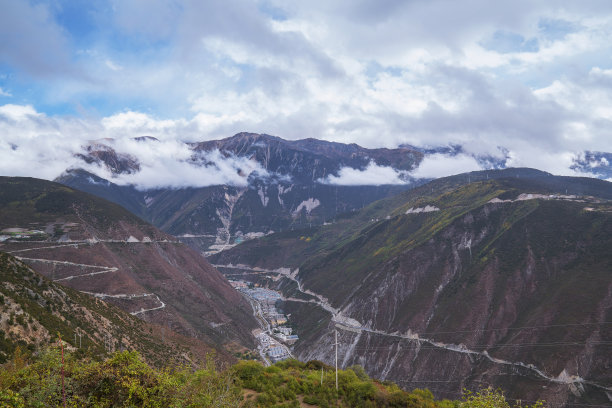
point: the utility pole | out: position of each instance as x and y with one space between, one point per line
336 343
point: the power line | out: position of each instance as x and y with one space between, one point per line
398 345
516 328
488 346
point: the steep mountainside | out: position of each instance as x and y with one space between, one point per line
308 160
97 247
35 310
287 192
504 282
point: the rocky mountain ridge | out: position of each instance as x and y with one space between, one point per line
284 187
35 311
277 184
97 247
501 281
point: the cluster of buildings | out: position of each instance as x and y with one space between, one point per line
267 299
285 335
269 341
272 348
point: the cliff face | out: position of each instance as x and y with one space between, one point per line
97 247
495 282
538 293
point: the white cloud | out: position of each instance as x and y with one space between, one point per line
367 72
441 165
35 145
168 166
18 112
373 174
137 122
5 93
113 66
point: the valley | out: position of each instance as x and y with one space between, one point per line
297 204
486 279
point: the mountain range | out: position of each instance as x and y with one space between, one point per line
249 185
284 186
499 277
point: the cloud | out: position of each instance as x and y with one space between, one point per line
441 165
533 77
33 41
5 93
169 164
35 145
373 175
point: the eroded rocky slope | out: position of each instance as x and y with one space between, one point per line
503 282
98 247
37 311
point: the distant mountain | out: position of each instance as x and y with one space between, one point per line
36 310
308 160
98 247
489 278
287 190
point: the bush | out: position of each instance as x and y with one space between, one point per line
123 380
10 399
489 398
359 372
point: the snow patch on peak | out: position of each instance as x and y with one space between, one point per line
309 205
262 196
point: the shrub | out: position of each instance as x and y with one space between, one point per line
489 398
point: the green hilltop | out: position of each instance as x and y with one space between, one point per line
53 379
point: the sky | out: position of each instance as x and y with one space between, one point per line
527 80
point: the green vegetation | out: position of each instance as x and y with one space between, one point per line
35 310
125 380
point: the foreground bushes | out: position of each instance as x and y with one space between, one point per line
121 381
124 380
287 383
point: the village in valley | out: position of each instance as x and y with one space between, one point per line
275 336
